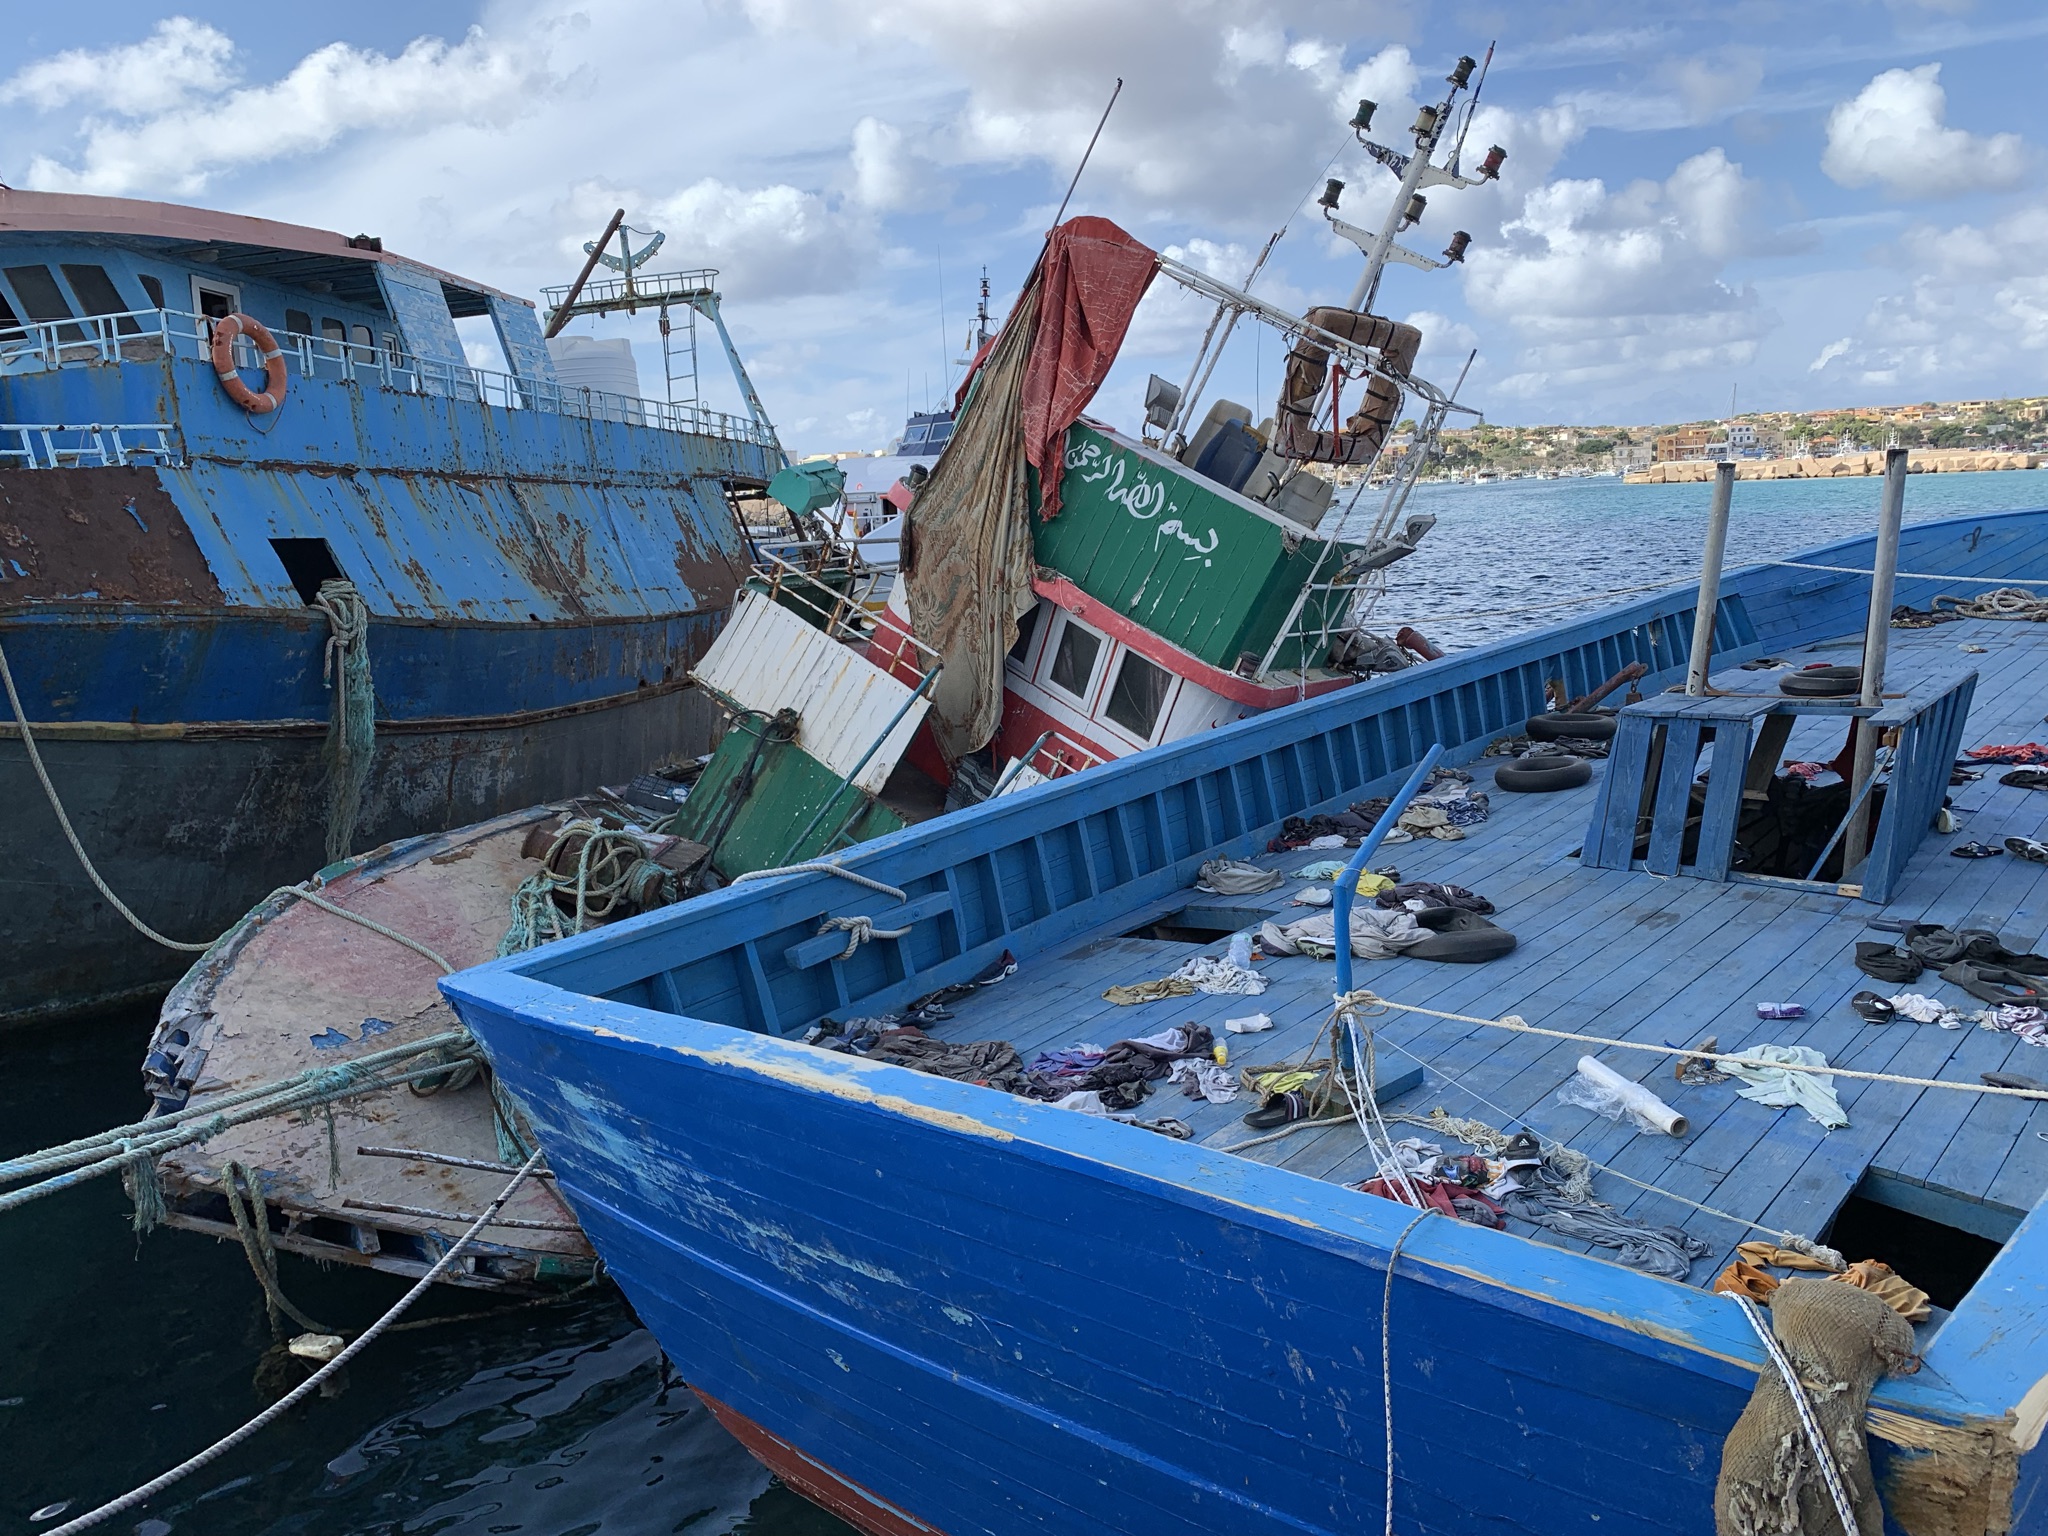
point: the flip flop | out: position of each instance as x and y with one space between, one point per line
1984 850
2028 848
1278 1110
1874 1009
2013 1080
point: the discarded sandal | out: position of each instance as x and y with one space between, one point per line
1874 1009
1978 850
2014 1080
1278 1110
2028 848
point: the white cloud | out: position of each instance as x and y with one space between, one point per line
180 59
774 239
1226 105
331 92
1606 286
1893 133
1975 310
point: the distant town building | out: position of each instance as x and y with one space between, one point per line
1629 457
1690 443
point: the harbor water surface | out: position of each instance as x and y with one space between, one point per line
121 1356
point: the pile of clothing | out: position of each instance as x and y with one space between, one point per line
1118 1077
1455 1186
1424 895
1217 975
1975 959
1563 746
2022 752
1444 807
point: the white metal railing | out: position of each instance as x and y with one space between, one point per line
837 592
48 445
146 334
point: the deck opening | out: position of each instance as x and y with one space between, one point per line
307 563
1198 924
1939 1240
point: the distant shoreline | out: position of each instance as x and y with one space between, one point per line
1933 461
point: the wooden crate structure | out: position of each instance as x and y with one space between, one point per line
1645 808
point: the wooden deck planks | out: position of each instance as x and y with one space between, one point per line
1630 956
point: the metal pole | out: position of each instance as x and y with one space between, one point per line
1877 631
1088 153
560 317
1347 883
1710 581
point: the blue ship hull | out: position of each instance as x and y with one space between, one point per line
940 1307
538 583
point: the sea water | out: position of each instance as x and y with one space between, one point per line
120 1356
1513 551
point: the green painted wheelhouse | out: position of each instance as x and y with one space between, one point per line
1188 559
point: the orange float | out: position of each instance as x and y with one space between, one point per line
225 330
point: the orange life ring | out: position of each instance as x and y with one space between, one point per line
225 330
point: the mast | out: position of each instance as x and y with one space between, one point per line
1416 171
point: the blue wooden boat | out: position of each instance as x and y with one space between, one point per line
933 1306
538 567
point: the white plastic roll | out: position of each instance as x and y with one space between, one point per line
1644 1106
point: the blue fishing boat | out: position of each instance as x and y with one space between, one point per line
283 575
934 1305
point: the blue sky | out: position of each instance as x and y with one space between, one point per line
1825 203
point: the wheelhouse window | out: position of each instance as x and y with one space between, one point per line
298 322
42 300
332 335
10 322
1138 695
363 343
153 290
214 300
1073 661
91 286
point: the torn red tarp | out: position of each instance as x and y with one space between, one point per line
1091 278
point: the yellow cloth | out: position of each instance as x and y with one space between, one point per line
1770 1255
1370 884
1745 1279
1883 1282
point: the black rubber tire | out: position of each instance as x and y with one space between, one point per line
1467 939
1559 723
1822 682
1541 775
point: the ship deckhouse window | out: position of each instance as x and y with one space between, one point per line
298 322
363 343
153 290
334 334
91 286
1138 695
10 322
42 300
1073 663
1026 628
214 300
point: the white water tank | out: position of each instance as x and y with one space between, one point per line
601 363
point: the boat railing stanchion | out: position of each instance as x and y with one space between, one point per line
1877 631
1709 605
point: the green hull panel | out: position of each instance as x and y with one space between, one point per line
1180 555
789 787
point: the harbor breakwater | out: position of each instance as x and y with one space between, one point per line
1934 461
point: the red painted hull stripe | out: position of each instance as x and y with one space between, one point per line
865 1511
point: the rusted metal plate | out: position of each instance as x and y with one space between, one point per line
112 535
